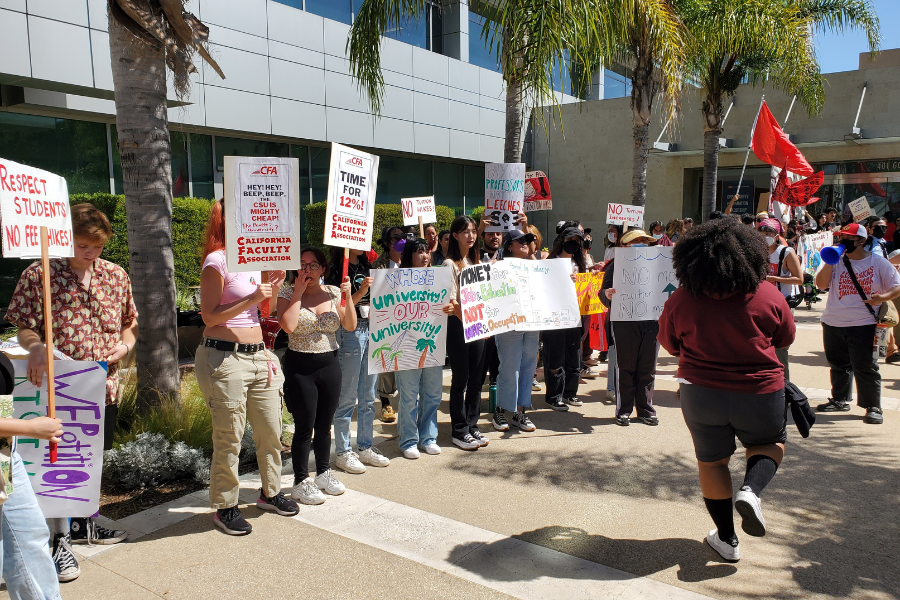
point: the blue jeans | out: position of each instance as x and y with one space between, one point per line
420 396
611 366
27 567
357 389
518 358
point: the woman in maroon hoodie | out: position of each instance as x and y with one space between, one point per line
724 324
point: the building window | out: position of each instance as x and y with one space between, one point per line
474 188
301 153
292 3
479 52
202 172
237 147
616 85
403 178
336 10
449 185
320 163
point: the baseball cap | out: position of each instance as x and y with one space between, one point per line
854 229
571 232
516 235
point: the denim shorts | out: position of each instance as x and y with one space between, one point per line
715 417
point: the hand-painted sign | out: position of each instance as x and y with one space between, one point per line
587 288
625 214
31 199
416 208
350 206
537 192
643 278
70 487
407 326
809 247
860 209
504 194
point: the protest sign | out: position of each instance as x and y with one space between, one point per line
70 487
809 247
31 199
625 214
407 326
516 295
504 194
350 207
262 213
587 288
644 278
417 211
537 192
744 203
860 209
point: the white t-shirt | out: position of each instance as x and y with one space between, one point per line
786 290
844 307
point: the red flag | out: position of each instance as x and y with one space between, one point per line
772 146
799 193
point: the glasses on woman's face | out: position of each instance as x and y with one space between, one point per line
310 266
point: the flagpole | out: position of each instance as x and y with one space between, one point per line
750 145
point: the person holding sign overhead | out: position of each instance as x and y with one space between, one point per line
311 314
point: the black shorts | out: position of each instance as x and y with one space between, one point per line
715 417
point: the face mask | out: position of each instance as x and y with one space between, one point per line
611 237
770 240
639 245
571 247
879 231
656 236
587 244
850 244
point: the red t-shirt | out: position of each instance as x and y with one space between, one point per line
729 343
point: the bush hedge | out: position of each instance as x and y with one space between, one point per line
385 215
189 216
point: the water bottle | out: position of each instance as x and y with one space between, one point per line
492 398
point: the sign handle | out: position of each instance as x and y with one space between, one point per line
48 333
265 307
421 228
344 274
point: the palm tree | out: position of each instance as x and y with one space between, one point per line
395 355
425 345
761 41
381 352
146 37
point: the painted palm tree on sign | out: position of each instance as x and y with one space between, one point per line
425 345
381 352
145 38
395 356
761 41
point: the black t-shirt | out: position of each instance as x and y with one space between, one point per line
357 273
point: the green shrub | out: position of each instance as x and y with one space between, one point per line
477 213
385 215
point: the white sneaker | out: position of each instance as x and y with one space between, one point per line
467 442
749 507
411 453
431 448
349 462
372 456
307 492
329 484
725 550
610 395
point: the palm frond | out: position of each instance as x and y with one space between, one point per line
838 16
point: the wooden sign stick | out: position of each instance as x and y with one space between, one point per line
344 273
265 307
48 333
421 228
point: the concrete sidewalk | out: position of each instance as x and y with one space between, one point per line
579 508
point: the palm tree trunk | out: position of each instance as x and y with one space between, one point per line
713 113
139 81
642 93
512 148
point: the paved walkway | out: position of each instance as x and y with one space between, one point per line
578 509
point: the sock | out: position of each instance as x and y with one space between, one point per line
760 471
722 515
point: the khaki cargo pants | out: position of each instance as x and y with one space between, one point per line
237 389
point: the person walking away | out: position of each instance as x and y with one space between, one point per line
562 347
785 272
95 319
392 240
357 386
849 322
518 354
466 359
636 349
420 389
735 381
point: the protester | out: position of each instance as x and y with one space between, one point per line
438 256
94 319
613 233
785 272
674 230
659 234
562 347
536 252
636 349
748 220
466 359
420 389
688 224
849 322
357 386
876 227
490 241
431 236
311 314
831 221
240 379
518 354
392 240
735 382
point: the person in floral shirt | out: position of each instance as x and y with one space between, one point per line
94 319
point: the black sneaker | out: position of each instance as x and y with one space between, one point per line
231 522
86 531
479 437
623 420
499 421
834 406
466 442
558 405
874 416
893 359
604 356
648 420
278 504
522 421
67 568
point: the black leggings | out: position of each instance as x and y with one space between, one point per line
312 388
466 366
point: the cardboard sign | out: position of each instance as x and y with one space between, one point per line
407 326
70 487
809 247
860 209
30 199
537 192
516 295
643 278
262 213
504 194
415 208
350 207
763 204
587 289
625 214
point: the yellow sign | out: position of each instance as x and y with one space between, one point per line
587 288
